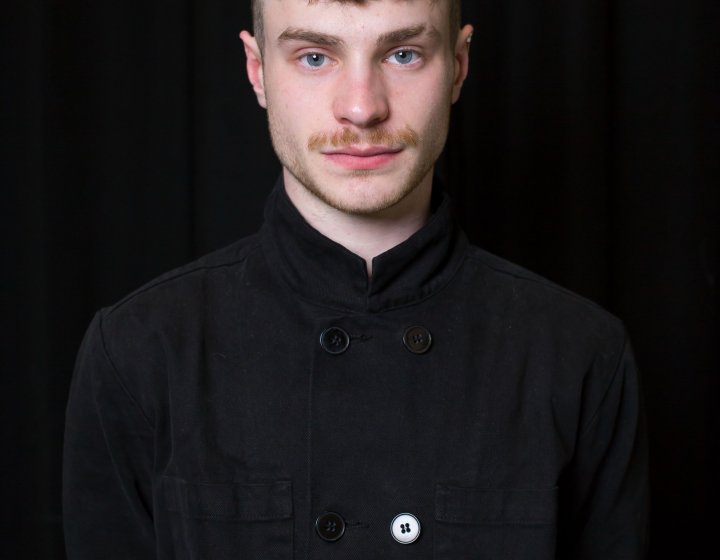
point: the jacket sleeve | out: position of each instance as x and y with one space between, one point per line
108 461
607 499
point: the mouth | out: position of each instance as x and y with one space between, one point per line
363 158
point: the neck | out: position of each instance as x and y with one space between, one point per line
367 235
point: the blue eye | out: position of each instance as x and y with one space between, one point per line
403 57
314 60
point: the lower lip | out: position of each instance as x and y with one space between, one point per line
358 163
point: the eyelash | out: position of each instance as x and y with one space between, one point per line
303 59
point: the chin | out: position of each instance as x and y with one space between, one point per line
358 192
361 196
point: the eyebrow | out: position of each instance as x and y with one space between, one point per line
325 40
407 33
296 34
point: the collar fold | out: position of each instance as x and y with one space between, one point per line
325 272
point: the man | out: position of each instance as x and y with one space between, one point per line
356 380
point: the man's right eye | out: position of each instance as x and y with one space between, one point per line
314 60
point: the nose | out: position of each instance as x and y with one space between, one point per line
361 98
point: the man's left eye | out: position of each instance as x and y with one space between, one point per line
403 57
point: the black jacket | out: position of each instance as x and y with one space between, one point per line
222 411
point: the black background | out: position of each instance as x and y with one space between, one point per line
585 147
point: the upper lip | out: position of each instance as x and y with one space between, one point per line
364 152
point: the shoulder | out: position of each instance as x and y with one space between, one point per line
177 300
182 286
582 348
164 318
526 299
186 277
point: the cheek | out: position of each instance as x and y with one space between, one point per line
422 102
300 107
428 114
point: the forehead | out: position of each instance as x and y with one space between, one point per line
369 17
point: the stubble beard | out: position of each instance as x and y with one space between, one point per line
294 157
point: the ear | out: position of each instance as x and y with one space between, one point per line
254 66
462 60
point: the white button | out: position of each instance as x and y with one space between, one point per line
405 528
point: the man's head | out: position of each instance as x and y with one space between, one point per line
358 94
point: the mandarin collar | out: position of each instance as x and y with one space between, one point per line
323 271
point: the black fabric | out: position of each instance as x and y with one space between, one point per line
339 277
584 147
523 420
246 502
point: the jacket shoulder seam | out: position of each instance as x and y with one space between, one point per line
616 371
118 376
540 281
171 277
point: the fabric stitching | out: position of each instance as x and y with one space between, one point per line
118 375
182 273
596 414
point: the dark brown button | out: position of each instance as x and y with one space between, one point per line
330 526
334 340
417 340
